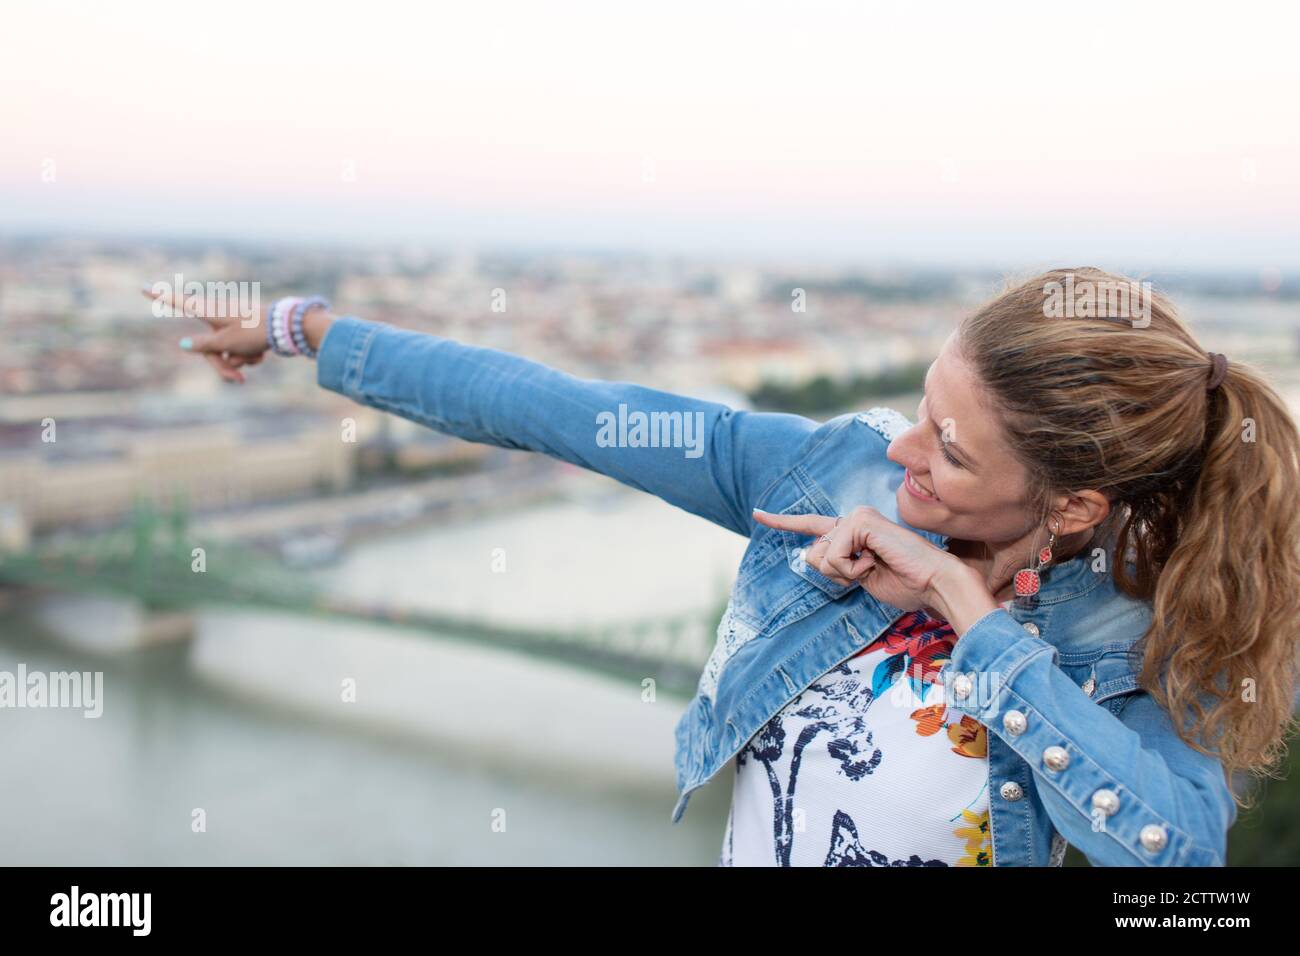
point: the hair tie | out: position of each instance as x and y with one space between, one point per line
1218 370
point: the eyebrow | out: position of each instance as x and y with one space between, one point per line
970 461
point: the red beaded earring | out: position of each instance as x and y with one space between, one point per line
1027 581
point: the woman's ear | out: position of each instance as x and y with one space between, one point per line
1081 510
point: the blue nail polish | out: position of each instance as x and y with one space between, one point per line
187 343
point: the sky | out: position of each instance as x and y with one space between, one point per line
934 133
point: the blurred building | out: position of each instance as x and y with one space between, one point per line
207 464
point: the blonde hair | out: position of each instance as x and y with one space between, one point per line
1202 487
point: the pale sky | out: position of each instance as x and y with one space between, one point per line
1166 134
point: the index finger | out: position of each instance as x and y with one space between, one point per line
177 303
812 524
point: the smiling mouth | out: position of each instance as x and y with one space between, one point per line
916 488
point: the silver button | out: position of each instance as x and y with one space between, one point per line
1011 791
1153 837
962 685
1107 801
1014 722
1089 686
1056 758
1031 627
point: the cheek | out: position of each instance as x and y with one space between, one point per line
953 484
966 494
983 510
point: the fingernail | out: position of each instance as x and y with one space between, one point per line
187 343
759 511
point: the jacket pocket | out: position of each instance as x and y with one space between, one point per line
772 547
1115 677
792 546
795 548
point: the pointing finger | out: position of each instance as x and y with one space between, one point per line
800 524
179 304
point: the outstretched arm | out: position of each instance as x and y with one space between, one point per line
701 456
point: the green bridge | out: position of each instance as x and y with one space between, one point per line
152 560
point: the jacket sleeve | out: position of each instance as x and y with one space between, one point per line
701 456
1125 790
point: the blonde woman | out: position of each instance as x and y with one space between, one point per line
1060 607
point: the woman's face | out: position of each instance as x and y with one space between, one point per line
961 479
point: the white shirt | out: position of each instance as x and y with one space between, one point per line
866 767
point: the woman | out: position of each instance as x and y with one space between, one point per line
962 641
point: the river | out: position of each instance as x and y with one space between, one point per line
300 741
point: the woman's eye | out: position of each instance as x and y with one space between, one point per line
948 455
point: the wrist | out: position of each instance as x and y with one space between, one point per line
314 326
960 594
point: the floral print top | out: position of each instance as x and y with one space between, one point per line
866 767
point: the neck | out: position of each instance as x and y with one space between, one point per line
998 562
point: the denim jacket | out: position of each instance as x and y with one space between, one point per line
1077 752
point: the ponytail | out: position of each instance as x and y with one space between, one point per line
1227 597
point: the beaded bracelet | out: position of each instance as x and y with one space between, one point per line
277 330
284 334
297 315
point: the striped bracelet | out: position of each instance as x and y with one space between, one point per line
277 330
297 314
284 334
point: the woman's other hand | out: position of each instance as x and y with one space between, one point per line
233 342
894 564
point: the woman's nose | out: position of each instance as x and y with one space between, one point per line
903 450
